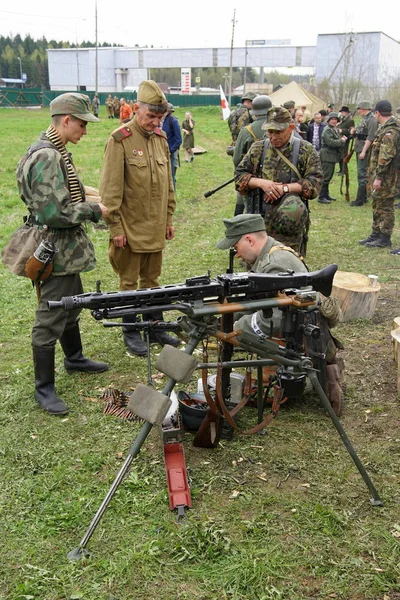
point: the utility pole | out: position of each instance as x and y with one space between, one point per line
230 63
96 56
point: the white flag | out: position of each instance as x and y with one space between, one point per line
224 105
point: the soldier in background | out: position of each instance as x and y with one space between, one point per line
291 174
383 176
110 106
345 125
247 136
290 106
240 117
95 105
364 135
116 107
331 151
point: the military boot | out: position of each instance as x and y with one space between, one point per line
372 236
382 241
361 196
161 337
328 196
45 393
323 198
133 338
74 360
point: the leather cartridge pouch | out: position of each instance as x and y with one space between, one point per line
40 265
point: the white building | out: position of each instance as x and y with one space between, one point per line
373 58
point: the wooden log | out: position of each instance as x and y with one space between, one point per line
356 295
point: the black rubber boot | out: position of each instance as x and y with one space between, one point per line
382 241
74 360
45 393
361 196
133 339
372 236
161 337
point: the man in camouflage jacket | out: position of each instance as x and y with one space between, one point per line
383 176
55 197
284 191
241 116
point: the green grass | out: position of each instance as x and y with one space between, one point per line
281 516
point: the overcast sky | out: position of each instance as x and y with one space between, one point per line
191 24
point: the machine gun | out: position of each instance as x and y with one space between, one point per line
201 300
219 187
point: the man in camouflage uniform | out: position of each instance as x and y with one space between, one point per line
247 136
247 235
268 168
241 116
55 197
364 135
137 188
383 175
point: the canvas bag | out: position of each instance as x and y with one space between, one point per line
21 246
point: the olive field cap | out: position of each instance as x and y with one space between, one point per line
332 115
171 107
261 105
344 109
238 226
249 96
150 93
277 118
331 106
384 107
76 105
289 104
365 104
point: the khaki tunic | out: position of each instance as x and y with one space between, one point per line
136 186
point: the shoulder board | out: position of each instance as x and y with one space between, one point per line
121 133
159 131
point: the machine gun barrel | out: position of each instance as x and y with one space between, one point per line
211 192
234 287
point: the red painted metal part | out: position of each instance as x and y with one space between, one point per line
177 479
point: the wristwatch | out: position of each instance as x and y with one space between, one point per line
285 189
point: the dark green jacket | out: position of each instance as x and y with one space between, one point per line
332 145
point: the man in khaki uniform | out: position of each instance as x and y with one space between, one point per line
136 187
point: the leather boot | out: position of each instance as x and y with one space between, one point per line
335 392
133 339
323 199
327 194
161 337
372 236
45 393
361 196
74 360
382 241
239 209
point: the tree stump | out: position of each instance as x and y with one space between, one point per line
356 295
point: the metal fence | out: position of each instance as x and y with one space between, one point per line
19 98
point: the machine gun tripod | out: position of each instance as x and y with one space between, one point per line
202 300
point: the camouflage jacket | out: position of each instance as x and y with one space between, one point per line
43 186
384 161
275 169
237 119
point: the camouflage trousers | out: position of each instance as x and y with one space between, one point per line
382 214
286 221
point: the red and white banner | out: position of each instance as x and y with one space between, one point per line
224 105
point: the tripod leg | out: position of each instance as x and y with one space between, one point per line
134 450
375 500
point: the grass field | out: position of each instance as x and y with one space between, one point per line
280 516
